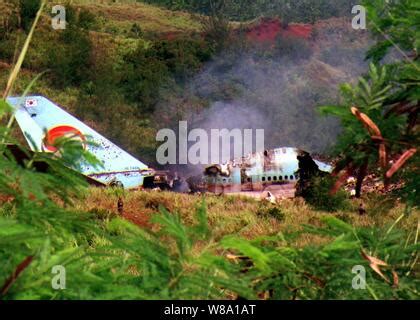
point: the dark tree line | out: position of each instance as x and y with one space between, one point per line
240 10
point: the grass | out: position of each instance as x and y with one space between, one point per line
231 215
121 16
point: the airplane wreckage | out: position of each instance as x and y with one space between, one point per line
275 172
272 172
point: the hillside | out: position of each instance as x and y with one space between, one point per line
128 69
184 70
110 32
118 18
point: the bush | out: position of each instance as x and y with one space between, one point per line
28 10
165 63
317 194
268 210
136 31
410 189
9 19
7 49
69 56
86 20
69 59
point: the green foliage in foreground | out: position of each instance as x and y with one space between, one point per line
114 259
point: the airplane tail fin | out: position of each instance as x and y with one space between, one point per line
42 122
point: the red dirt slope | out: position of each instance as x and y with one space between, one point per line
268 29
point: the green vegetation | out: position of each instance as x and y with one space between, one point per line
178 246
118 18
288 10
94 70
318 195
186 256
28 10
146 69
69 63
382 125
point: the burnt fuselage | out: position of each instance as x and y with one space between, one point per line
258 171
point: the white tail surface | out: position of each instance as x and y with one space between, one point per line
42 121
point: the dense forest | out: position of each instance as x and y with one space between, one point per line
242 10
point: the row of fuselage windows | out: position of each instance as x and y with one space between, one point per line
269 179
275 178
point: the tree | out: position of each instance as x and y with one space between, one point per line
216 25
380 112
69 59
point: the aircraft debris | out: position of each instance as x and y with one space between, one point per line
270 198
278 171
